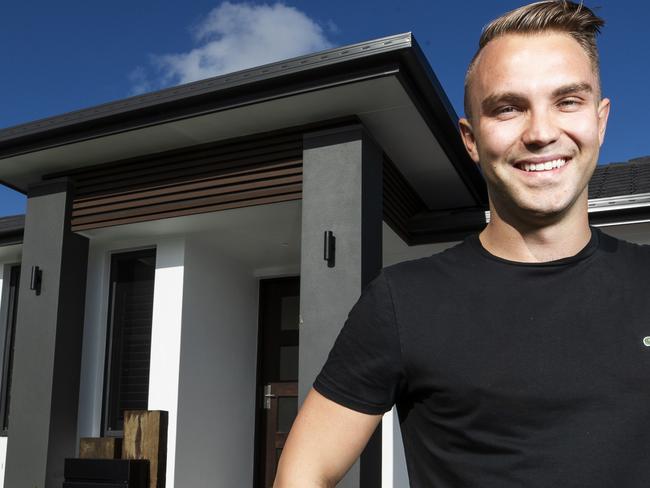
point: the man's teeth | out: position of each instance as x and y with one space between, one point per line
548 165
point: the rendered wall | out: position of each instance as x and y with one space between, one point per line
341 193
49 326
638 233
216 409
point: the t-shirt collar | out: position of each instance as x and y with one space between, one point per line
584 253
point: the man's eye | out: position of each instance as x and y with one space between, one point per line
569 103
506 110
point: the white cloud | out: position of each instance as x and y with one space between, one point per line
236 36
139 82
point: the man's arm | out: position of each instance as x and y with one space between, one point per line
325 440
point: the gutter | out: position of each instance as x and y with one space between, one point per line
620 209
619 202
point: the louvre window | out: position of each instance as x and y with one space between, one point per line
129 336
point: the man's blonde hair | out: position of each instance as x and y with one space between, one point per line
550 15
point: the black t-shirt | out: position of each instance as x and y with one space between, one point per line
507 374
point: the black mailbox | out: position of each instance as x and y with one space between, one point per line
106 473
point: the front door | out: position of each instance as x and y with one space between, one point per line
277 372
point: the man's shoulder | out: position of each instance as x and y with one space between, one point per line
618 247
624 260
447 260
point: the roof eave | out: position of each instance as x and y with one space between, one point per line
11 230
195 98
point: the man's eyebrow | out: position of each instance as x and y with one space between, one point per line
572 88
503 97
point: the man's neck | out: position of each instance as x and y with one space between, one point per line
536 243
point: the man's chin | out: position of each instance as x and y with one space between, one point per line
535 213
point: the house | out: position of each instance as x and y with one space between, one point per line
196 250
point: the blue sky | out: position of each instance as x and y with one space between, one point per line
66 55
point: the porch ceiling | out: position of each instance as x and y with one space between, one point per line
387 86
264 238
9 253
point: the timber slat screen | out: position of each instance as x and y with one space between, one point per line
401 202
201 179
212 177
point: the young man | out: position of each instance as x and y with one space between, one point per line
517 358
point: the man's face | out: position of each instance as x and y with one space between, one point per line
537 125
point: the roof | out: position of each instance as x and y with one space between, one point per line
620 192
378 82
615 179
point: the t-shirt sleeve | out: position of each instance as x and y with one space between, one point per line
364 370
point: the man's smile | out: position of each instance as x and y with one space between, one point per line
546 164
542 166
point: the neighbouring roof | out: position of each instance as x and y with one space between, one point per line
620 192
616 179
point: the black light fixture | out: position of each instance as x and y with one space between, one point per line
36 278
329 248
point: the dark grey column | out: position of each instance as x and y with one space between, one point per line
47 354
342 192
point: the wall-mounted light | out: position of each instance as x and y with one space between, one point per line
329 248
36 278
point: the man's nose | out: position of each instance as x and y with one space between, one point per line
541 129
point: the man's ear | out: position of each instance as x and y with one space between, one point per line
467 134
603 114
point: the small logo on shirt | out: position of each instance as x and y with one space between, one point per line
646 341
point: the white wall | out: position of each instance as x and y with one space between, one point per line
3 457
216 410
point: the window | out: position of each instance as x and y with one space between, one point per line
128 345
8 356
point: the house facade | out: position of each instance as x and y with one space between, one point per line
196 250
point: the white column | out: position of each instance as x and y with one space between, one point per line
393 461
166 339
